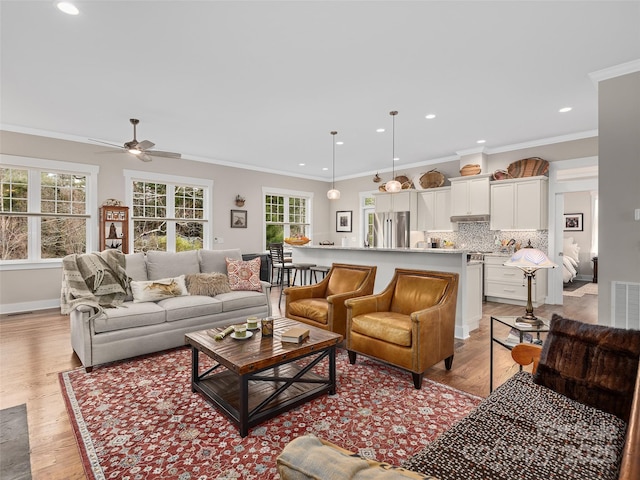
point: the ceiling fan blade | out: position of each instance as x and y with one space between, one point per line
145 145
106 143
160 153
144 157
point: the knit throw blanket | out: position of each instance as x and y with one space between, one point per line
98 280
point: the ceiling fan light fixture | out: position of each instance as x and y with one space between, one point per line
135 151
333 194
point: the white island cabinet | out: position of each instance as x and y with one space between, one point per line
509 285
469 304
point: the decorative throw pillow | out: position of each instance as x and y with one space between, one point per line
154 290
592 364
209 284
244 275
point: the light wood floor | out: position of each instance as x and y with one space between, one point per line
35 347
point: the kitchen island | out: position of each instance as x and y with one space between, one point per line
469 306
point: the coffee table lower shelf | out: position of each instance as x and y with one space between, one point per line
250 399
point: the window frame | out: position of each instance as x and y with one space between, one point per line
287 194
35 166
173 180
364 210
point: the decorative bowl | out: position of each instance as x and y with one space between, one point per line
297 241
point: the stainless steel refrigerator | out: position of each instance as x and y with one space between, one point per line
391 230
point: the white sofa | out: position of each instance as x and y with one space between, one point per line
141 328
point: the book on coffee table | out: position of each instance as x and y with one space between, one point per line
295 334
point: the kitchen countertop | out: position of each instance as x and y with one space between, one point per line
395 250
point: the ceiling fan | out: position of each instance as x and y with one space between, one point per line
141 149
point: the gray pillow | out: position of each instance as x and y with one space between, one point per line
136 266
214 260
166 264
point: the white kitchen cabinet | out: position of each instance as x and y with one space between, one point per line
403 201
519 204
470 195
434 210
509 285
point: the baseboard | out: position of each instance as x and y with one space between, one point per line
26 307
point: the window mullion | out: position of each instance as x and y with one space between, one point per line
34 252
171 213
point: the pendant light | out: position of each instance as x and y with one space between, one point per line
333 194
393 185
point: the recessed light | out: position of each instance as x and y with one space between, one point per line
325 169
430 116
380 130
396 159
301 164
339 143
68 8
565 110
481 141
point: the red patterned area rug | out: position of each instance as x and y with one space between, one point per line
138 419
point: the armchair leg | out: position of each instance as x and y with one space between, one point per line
448 362
352 357
417 380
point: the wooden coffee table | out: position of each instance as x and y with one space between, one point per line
261 377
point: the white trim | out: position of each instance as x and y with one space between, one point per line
145 176
35 163
26 307
615 71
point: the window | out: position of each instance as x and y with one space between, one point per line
167 212
45 209
368 212
286 214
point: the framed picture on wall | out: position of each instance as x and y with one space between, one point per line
573 222
343 221
238 219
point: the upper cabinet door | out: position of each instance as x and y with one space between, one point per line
470 196
519 204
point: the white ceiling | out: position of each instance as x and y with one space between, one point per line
261 84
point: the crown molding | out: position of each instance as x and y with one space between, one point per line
615 71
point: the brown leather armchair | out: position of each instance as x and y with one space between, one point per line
410 324
322 304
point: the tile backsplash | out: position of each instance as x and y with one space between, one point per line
477 236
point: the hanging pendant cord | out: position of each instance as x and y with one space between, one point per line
333 175
393 144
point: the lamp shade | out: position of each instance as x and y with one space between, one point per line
393 186
529 259
333 194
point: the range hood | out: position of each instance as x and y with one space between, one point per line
469 218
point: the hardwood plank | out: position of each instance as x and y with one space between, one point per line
34 347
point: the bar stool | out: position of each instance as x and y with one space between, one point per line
321 269
305 272
281 266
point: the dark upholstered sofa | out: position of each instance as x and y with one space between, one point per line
576 417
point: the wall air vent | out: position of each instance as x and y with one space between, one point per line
625 305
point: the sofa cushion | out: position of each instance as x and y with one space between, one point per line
527 432
214 260
154 290
129 315
167 264
390 327
136 266
237 300
244 275
192 306
309 458
413 293
344 280
209 284
316 309
578 359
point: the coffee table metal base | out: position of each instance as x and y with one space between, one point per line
250 399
